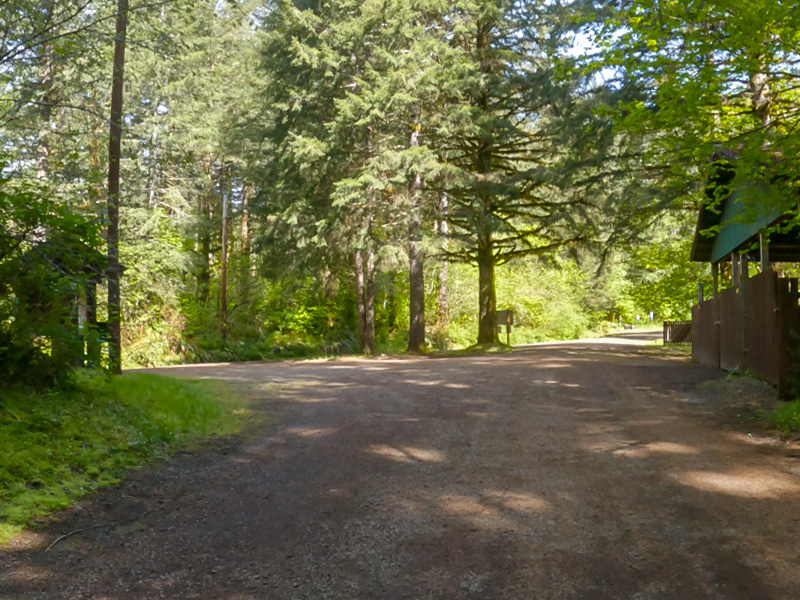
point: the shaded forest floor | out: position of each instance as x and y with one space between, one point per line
582 470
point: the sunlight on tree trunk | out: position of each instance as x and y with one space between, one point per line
416 295
114 155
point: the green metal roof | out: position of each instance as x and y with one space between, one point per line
733 224
746 212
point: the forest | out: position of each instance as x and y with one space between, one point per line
203 180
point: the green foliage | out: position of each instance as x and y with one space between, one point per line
664 280
786 417
47 256
57 446
549 300
342 125
705 76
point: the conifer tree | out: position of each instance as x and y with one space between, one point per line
502 201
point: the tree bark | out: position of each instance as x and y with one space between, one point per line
369 303
361 311
487 299
204 234
416 279
114 156
760 97
225 184
441 299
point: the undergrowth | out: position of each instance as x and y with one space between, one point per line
786 417
58 445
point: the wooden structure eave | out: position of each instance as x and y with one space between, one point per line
734 225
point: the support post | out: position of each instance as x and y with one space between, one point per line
763 245
734 269
715 279
744 270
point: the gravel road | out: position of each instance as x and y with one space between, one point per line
582 471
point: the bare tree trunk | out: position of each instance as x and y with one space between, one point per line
225 184
416 279
114 156
204 235
361 310
487 299
369 303
441 300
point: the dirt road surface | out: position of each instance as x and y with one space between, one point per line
575 471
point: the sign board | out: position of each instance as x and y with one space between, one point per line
505 317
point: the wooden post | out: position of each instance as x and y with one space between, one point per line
715 278
763 245
744 271
734 269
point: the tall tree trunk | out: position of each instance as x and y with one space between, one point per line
204 234
416 280
114 155
225 184
487 295
204 250
441 299
487 299
369 303
361 310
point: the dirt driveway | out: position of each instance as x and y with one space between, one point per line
572 471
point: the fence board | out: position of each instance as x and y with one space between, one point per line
705 334
788 335
755 328
677 332
761 331
731 333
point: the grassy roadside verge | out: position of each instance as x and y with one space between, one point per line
56 446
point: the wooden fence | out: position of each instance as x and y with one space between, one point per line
753 327
677 333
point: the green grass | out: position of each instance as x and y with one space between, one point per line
56 446
786 417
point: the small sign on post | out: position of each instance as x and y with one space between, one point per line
506 317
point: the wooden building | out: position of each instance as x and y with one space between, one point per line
751 322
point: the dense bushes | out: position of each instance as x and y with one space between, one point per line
47 257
